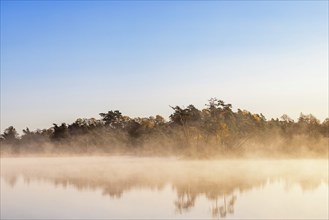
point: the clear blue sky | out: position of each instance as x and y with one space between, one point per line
61 60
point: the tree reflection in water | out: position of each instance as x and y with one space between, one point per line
223 210
185 200
216 180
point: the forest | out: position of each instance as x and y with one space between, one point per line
215 131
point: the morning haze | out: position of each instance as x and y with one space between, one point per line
164 109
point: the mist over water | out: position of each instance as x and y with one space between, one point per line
164 110
163 187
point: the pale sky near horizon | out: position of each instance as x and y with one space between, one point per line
63 60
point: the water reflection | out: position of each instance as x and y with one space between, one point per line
217 181
226 208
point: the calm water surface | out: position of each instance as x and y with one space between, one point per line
130 187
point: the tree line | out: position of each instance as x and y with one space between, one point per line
214 130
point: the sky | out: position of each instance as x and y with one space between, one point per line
63 60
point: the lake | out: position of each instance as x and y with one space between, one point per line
148 188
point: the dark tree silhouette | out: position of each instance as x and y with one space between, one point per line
114 119
60 132
10 135
214 130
